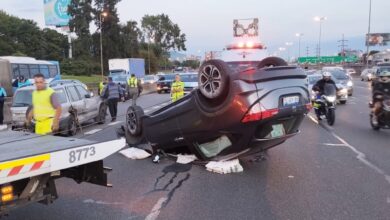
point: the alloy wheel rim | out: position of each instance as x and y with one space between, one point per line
210 80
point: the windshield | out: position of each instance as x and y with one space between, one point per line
22 98
117 72
329 89
339 74
189 77
119 78
314 79
384 71
167 77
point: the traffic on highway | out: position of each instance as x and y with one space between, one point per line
120 123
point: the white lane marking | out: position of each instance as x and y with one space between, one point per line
313 119
156 209
92 131
334 145
359 155
101 202
114 123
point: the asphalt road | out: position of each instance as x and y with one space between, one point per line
342 172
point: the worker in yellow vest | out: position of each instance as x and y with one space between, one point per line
101 85
46 109
177 89
133 88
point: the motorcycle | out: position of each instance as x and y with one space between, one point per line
326 104
384 116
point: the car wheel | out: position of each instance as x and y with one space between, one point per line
374 127
343 102
213 79
72 126
133 128
272 62
101 117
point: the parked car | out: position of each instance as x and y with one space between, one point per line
367 74
232 112
67 81
78 106
190 81
165 82
342 91
150 79
343 79
350 71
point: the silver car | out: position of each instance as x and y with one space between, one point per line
190 81
78 106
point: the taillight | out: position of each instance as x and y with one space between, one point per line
250 44
240 45
258 112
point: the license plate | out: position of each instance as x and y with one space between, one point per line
290 100
277 131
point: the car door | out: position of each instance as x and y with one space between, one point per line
91 104
77 102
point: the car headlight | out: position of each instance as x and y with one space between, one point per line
330 98
349 83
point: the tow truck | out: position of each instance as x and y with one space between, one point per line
30 164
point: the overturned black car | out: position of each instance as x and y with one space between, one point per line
238 109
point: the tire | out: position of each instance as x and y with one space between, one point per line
343 102
30 128
331 116
101 117
374 127
214 79
272 62
71 126
133 127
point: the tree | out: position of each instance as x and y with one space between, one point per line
130 36
80 12
163 32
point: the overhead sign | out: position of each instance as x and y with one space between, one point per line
378 39
328 59
56 12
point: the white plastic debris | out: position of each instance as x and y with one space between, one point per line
135 153
224 167
185 159
3 127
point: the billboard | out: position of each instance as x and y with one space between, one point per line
378 39
328 59
56 12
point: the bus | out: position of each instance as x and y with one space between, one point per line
11 67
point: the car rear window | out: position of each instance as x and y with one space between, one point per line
338 74
22 98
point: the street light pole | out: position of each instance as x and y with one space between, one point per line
320 19
104 14
299 35
368 34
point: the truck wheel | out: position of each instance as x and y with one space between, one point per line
101 117
214 79
271 62
72 126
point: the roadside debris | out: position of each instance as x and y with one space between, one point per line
225 167
185 159
135 153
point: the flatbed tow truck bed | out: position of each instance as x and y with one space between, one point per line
29 164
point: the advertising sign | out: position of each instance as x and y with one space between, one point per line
378 39
56 12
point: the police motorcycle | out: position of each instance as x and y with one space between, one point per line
326 103
382 94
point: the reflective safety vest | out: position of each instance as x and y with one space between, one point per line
42 106
101 87
177 95
133 82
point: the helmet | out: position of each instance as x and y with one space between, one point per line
326 74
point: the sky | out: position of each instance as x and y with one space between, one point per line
208 23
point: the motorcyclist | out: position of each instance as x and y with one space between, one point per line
380 89
319 89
